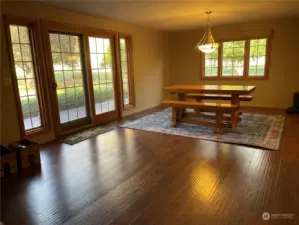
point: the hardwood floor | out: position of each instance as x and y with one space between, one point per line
137 177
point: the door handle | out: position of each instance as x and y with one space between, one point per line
54 85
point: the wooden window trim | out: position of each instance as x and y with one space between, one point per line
246 60
131 104
39 69
98 33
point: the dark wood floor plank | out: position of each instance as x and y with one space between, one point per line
286 198
122 197
163 201
208 196
137 177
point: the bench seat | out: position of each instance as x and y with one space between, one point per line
222 107
218 108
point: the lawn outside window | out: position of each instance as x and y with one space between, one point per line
127 79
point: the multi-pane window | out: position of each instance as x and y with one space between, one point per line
257 57
26 76
66 56
124 70
59 65
126 73
233 58
242 58
211 63
102 74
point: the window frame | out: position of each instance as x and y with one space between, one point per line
246 60
48 26
39 30
129 50
85 32
39 69
112 35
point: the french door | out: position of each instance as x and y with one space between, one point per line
103 78
83 71
70 78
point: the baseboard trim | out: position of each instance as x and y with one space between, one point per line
153 108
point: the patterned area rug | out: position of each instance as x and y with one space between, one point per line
86 134
256 130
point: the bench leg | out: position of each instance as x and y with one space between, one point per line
182 97
219 122
234 119
198 110
179 114
174 117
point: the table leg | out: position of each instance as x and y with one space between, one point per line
174 116
235 115
182 97
198 99
219 122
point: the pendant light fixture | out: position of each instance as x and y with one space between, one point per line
207 43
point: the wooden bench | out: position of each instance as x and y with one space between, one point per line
246 98
199 97
218 108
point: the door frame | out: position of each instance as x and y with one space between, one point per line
84 32
107 116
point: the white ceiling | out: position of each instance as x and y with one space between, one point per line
180 15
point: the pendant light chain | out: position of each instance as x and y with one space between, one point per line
207 43
208 19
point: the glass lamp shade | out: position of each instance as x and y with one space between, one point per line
207 43
207 48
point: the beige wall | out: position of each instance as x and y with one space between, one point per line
149 60
283 76
162 58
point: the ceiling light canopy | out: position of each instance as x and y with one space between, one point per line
207 43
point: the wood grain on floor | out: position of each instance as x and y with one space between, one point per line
138 177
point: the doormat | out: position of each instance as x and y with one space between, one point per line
86 134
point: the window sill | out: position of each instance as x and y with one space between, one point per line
235 78
36 132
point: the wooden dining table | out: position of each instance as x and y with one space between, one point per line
235 91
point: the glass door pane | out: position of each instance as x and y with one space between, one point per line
101 59
26 75
124 70
69 76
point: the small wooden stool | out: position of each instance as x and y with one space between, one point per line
28 153
9 163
